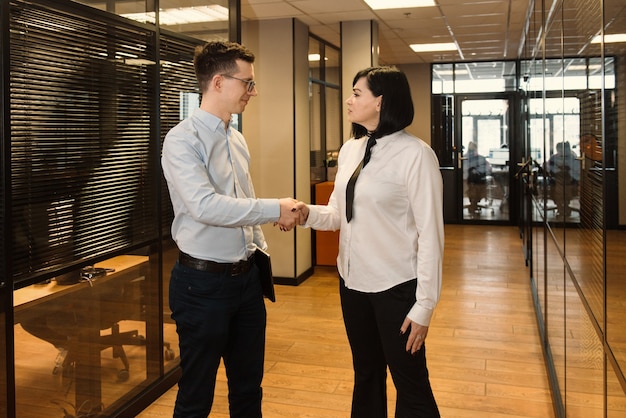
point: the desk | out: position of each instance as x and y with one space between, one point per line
92 298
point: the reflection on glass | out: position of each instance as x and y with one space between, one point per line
3 369
315 56
332 67
170 337
443 78
584 360
201 19
325 109
555 124
81 347
485 159
478 77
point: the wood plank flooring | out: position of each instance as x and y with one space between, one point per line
483 349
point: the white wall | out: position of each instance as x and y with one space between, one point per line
419 80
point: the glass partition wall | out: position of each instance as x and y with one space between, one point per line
92 89
573 83
326 109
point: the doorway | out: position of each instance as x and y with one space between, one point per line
483 158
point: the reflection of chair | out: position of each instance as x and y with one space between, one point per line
562 189
75 322
110 305
481 195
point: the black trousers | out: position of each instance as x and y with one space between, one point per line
373 322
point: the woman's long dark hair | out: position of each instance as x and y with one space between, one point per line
396 111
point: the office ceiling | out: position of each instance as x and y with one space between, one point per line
482 29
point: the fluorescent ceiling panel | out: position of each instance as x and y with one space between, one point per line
183 15
610 39
450 46
398 4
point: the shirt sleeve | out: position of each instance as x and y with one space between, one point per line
187 174
426 199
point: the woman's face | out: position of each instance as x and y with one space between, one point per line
363 106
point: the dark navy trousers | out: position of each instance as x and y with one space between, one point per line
218 316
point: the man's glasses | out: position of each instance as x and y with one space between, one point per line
251 83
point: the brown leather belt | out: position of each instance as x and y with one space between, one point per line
234 269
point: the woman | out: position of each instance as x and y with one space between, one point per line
390 246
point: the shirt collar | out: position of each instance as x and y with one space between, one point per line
210 120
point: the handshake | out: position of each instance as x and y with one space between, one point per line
292 213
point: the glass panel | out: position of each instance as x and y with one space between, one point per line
325 110
555 310
478 77
616 396
485 158
201 19
615 128
315 134
3 365
170 337
315 53
539 273
332 67
562 167
443 78
585 360
82 347
333 131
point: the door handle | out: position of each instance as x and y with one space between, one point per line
460 159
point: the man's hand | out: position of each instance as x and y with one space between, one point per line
289 215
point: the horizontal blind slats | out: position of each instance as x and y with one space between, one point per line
81 122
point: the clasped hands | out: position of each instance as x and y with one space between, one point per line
292 213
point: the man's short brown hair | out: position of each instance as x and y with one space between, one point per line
218 57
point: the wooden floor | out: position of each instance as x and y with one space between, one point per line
483 349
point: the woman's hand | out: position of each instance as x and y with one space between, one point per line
303 211
417 335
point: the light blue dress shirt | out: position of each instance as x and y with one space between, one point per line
216 214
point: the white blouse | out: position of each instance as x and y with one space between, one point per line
396 233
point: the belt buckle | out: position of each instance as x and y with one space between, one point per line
237 268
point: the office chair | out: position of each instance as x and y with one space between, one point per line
481 195
125 303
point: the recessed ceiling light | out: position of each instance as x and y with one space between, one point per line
398 4
449 46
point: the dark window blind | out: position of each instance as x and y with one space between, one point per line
178 82
81 98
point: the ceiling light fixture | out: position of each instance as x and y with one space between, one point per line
398 4
449 46
182 15
610 39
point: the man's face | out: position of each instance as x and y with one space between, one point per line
236 89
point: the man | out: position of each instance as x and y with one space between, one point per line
215 292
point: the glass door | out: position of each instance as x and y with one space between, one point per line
483 158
